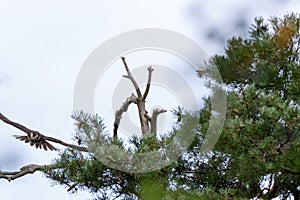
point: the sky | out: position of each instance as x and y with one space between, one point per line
43 45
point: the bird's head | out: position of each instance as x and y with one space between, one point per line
35 136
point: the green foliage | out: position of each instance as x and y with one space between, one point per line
269 58
258 153
261 132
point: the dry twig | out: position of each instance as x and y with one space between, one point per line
118 114
28 169
130 77
155 114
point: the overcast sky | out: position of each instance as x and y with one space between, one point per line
43 44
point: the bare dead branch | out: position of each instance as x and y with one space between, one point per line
118 114
143 115
28 169
140 101
131 78
155 114
150 70
37 139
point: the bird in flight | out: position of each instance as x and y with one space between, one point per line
36 138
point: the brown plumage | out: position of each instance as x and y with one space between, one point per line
37 139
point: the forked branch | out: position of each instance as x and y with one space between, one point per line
28 169
140 101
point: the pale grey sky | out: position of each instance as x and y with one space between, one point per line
44 43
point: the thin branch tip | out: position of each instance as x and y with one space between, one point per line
150 68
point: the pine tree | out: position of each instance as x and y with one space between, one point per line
260 139
257 155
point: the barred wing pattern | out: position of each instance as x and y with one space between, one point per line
37 140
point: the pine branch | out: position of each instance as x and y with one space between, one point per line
71 187
290 170
37 139
27 169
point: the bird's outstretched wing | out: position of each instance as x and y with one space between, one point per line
40 143
36 138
